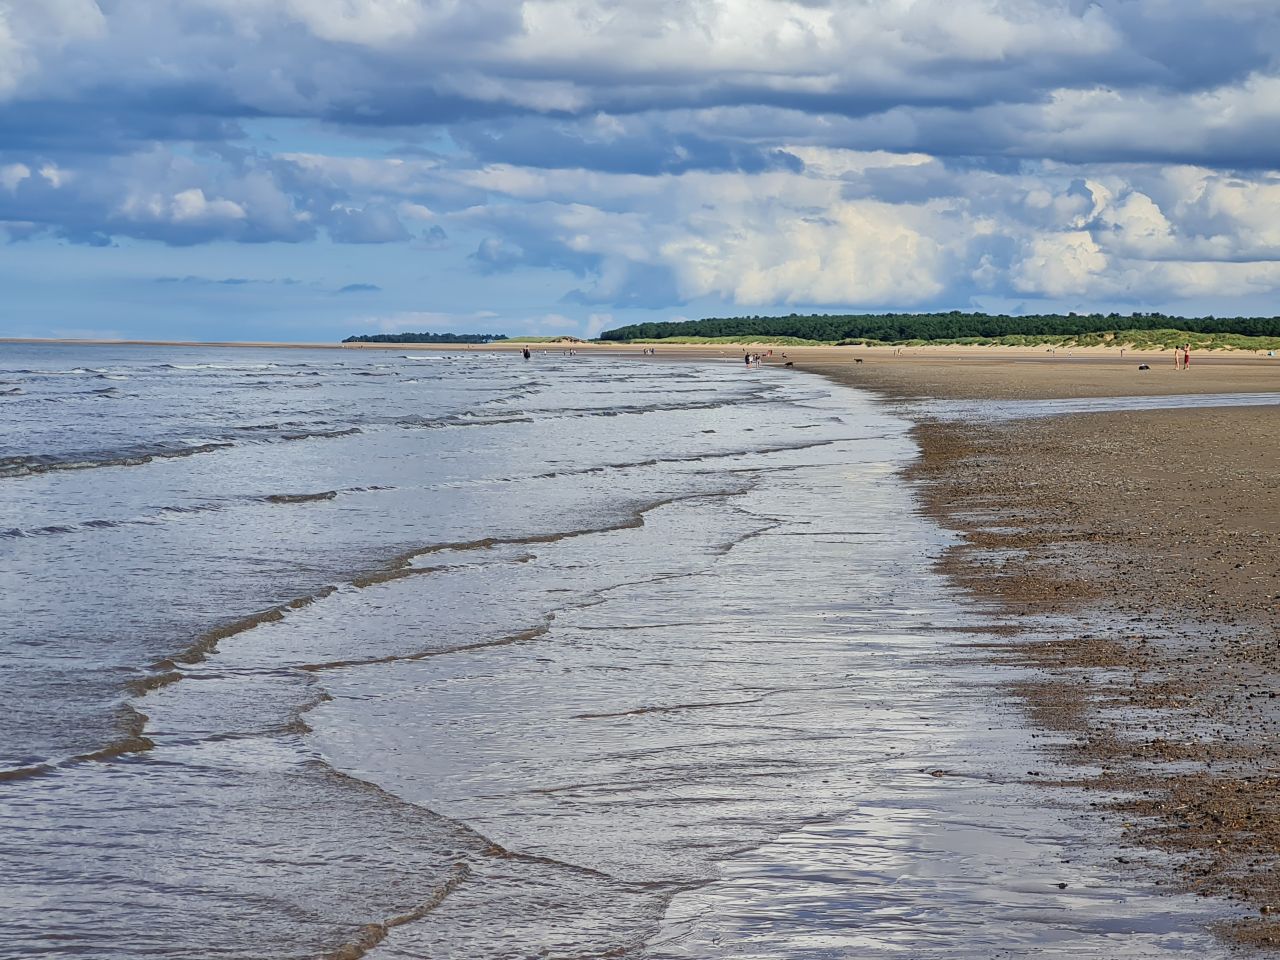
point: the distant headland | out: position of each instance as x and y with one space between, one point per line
426 338
1140 330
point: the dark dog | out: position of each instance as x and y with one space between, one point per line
857 359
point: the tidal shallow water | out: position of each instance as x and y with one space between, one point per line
982 410
339 653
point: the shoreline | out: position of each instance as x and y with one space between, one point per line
828 353
1124 537
1144 596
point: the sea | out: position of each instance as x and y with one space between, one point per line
346 653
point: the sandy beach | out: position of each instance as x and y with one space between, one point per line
1135 555
467 656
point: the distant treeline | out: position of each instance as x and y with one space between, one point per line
955 325
427 338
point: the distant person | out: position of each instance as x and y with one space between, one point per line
1177 358
1186 356
527 354
746 358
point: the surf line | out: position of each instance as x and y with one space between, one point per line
168 670
131 740
372 934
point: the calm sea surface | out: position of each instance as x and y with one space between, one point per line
339 653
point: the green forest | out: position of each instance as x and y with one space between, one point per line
427 338
953 326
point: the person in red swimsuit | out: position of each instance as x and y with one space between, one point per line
1186 356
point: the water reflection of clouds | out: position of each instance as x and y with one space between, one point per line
1029 409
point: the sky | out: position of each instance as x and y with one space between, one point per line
302 170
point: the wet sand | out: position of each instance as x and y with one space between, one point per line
1136 556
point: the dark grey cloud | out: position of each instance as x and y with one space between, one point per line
1191 46
494 255
664 151
104 122
514 85
527 245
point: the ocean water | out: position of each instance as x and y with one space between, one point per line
353 653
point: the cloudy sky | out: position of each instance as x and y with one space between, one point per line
305 169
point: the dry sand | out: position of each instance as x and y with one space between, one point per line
1149 544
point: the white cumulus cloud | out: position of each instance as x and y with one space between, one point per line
13 174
